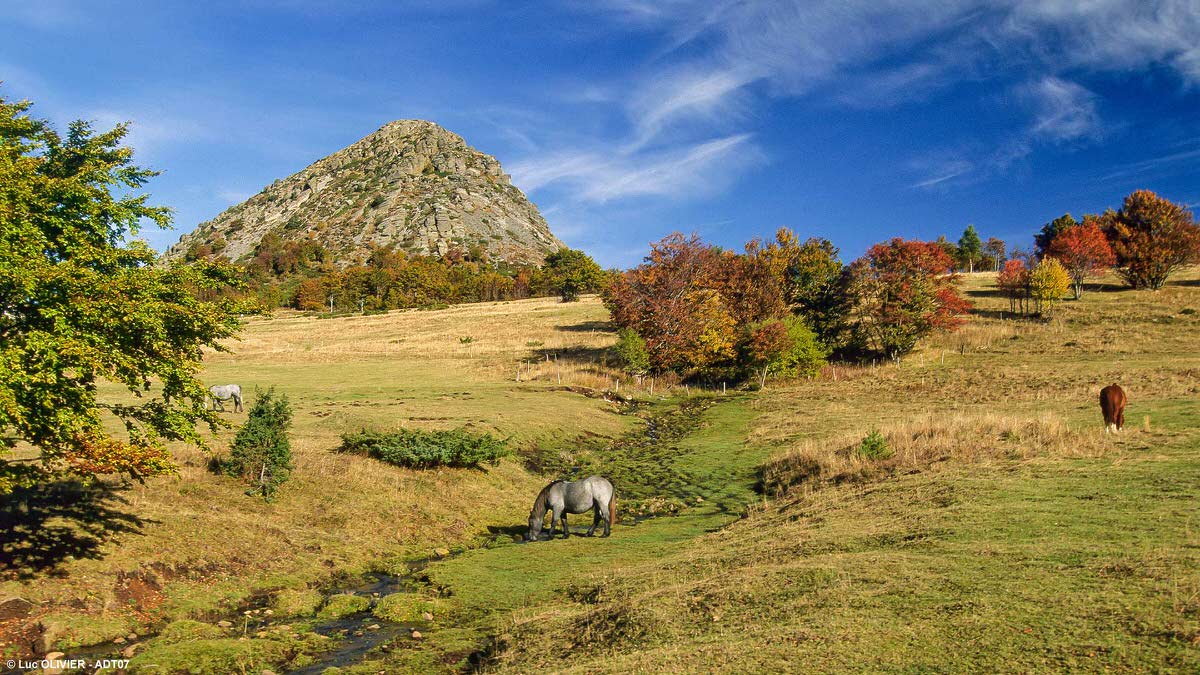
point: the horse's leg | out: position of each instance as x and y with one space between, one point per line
237 404
563 518
595 519
219 406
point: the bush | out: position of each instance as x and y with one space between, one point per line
806 355
874 446
261 454
426 449
631 351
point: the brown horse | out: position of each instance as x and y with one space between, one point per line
1112 404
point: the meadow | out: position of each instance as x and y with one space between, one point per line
1005 531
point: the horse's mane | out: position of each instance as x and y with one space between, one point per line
540 503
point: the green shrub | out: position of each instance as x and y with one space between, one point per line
806 355
261 454
874 446
631 351
426 449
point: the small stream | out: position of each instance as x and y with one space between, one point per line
356 636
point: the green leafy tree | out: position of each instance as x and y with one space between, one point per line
261 454
570 273
81 302
1050 232
784 347
970 248
631 351
816 286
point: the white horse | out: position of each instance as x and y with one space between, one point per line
226 392
562 497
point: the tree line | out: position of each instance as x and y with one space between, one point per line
783 305
303 275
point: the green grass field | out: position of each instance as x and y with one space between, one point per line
1006 532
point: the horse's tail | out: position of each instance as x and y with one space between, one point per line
612 509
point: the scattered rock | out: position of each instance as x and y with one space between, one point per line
132 650
517 539
131 636
15 608
269 612
427 616
119 641
373 626
416 635
225 624
441 552
358 633
267 672
49 635
54 656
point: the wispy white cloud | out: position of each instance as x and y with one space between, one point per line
878 53
944 172
686 96
1154 164
1065 111
592 176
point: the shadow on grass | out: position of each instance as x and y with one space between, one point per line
508 530
985 293
44 525
575 355
587 327
1189 283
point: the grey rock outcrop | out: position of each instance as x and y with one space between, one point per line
411 184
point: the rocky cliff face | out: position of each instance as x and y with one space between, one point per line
412 184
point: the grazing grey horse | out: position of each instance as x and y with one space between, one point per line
224 393
562 497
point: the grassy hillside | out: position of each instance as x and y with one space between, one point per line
195 543
1004 532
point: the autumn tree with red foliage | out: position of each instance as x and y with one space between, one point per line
905 290
692 302
1152 237
674 301
1013 281
1084 251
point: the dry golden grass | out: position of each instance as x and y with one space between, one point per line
923 444
210 544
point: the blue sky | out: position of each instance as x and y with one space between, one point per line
625 120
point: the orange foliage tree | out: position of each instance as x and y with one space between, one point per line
674 302
1152 237
905 290
1084 251
1013 281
